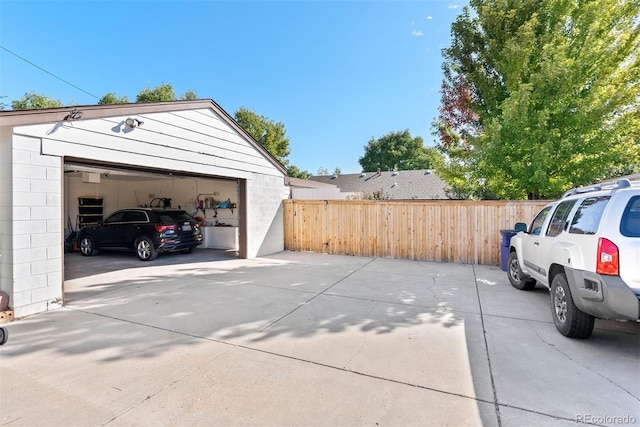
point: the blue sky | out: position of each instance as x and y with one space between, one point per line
336 73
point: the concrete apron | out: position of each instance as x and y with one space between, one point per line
310 339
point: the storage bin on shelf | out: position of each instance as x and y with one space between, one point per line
89 210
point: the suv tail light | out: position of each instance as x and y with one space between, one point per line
163 228
607 262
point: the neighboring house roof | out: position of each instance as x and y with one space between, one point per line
312 190
633 178
62 114
413 184
305 183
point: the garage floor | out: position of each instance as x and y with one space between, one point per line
77 266
308 339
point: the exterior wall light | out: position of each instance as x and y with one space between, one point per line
133 122
75 114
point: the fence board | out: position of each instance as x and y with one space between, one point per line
450 231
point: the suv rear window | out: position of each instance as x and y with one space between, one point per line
587 217
135 216
630 223
175 216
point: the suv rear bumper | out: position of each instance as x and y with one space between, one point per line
169 245
605 297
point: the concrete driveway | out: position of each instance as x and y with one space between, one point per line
308 339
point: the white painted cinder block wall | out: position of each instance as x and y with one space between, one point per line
6 203
264 215
36 222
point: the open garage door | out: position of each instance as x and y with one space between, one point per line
93 191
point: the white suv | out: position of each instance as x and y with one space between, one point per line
586 249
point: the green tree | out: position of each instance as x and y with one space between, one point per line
295 172
269 134
398 151
111 98
540 96
323 171
370 195
189 96
163 92
31 101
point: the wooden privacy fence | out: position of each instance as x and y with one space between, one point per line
429 230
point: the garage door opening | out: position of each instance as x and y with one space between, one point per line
92 192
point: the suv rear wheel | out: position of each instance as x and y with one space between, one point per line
569 320
515 274
145 249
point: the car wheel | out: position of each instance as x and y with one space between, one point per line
188 250
569 320
145 249
87 246
515 273
4 335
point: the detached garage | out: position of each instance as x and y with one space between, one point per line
66 167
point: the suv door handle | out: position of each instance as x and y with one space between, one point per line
536 243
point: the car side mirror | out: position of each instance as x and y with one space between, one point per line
520 226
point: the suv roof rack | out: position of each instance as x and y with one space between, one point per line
612 185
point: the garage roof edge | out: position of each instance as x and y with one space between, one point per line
53 115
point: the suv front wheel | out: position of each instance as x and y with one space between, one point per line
515 274
569 320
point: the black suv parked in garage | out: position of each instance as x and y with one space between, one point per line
148 232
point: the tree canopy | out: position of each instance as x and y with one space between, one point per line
398 151
111 98
540 96
160 93
31 101
163 92
272 136
269 134
296 172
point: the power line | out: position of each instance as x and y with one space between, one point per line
51 74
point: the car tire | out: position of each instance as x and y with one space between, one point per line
87 246
4 336
515 274
145 249
569 320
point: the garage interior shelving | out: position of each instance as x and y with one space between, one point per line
89 211
115 189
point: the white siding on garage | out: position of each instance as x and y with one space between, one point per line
196 141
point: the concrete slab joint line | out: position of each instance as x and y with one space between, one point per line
573 360
496 403
314 297
349 341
